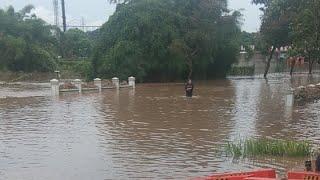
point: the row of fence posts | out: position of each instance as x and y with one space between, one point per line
55 84
289 99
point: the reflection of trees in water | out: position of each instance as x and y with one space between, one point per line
157 129
281 122
273 117
157 126
277 120
245 113
303 80
267 116
306 123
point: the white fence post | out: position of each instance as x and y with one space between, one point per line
77 83
116 82
290 99
97 82
54 87
132 82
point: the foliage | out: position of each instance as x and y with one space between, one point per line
242 71
80 67
306 31
247 40
26 42
291 22
76 44
269 147
168 40
275 27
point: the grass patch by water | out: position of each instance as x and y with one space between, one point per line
269 147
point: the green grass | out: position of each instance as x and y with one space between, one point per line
269 147
242 71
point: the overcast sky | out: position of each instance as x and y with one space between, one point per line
96 12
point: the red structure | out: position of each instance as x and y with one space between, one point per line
263 174
303 175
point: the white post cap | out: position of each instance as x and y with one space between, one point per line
311 86
54 80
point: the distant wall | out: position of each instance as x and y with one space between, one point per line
277 66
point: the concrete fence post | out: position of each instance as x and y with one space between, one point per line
54 87
290 99
311 86
116 82
132 82
97 82
77 83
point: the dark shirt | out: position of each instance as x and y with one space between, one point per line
318 164
189 89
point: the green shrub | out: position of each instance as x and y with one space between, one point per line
269 147
242 71
82 68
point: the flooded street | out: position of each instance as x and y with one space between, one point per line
153 132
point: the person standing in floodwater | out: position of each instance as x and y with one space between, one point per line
189 88
318 164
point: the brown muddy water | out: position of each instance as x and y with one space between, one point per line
153 132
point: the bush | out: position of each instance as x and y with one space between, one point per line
269 147
242 71
162 41
83 68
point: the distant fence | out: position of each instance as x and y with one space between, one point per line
77 85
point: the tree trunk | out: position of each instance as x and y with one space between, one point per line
190 64
269 62
293 64
310 65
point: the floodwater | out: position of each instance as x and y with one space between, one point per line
153 132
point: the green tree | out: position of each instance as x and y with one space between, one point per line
306 31
77 44
168 40
247 40
26 42
275 27
292 22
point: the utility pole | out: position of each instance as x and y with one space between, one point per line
64 16
56 16
83 24
56 12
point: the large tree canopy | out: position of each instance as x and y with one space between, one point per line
291 22
305 31
26 42
77 44
168 40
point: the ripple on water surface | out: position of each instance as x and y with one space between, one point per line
152 132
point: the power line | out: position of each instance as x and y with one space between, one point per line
80 26
83 28
64 25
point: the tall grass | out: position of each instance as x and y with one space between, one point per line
241 71
269 147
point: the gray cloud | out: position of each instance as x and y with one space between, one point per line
250 12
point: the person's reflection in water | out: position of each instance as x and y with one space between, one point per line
189 88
